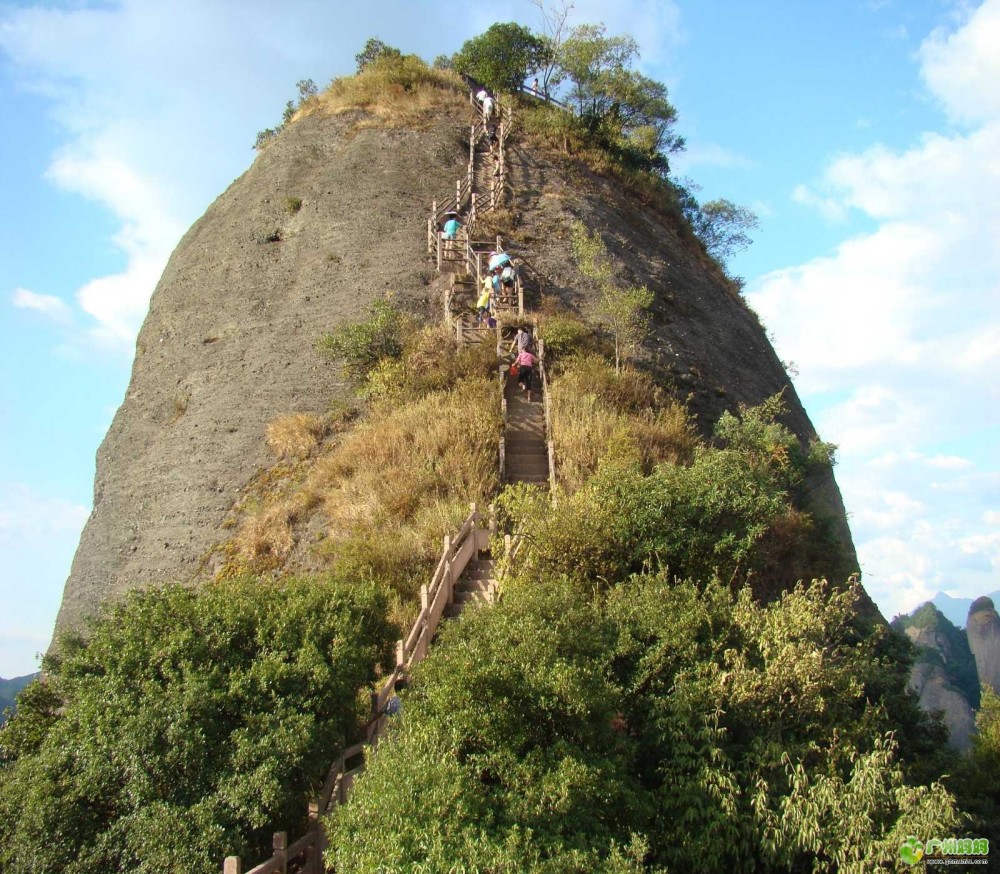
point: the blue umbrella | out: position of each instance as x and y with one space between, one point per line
499 260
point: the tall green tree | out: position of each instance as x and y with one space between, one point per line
723 227
502 57
375 50
629 111
187 727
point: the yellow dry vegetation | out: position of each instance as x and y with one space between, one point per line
398 92
405 459
389 488
295 435
599 415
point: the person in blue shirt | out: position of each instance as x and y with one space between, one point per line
451 227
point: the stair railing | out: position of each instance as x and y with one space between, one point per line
547 404
307 851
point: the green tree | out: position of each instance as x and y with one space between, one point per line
502 57
375 50
188 726
508 757
761 730
623 309
723 227
628 111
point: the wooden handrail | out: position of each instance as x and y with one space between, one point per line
411 650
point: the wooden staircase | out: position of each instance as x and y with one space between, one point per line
477 585
526 450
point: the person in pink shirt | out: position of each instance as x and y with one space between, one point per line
525 362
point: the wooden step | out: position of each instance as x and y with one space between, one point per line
540 481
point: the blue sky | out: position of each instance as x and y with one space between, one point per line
863 132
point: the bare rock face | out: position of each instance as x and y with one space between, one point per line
935 691
227 345
228 342
983 629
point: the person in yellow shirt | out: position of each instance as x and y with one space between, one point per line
483 304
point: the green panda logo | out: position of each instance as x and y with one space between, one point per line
911 850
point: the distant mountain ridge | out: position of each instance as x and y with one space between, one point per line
957 609
954 660
9 690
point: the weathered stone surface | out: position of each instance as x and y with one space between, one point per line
227 345
931 683
983 629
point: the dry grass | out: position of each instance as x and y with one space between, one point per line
504 222
441 447
599 415
389 491
402 92
295 435
266 537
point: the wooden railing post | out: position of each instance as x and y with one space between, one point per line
400 655
280 845
439 252
314 853
425 597
232 865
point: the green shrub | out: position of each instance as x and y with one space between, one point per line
188 726
508 758
362 345
564 335
293 205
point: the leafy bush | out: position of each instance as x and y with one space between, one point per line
564 335
560 731
362 345
187 726
502 57
764 730
508 758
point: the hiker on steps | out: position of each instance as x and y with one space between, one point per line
507 280
487 103
452 226
450 231
525 362
483 305
522 341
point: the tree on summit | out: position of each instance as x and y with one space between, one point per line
627 110
503 57
375 50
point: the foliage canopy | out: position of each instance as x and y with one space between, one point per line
502 57
186 725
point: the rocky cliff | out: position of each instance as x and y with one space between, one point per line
944 675
331 216
983 630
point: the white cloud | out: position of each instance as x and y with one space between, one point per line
962 67
25 513
896 333
48 305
